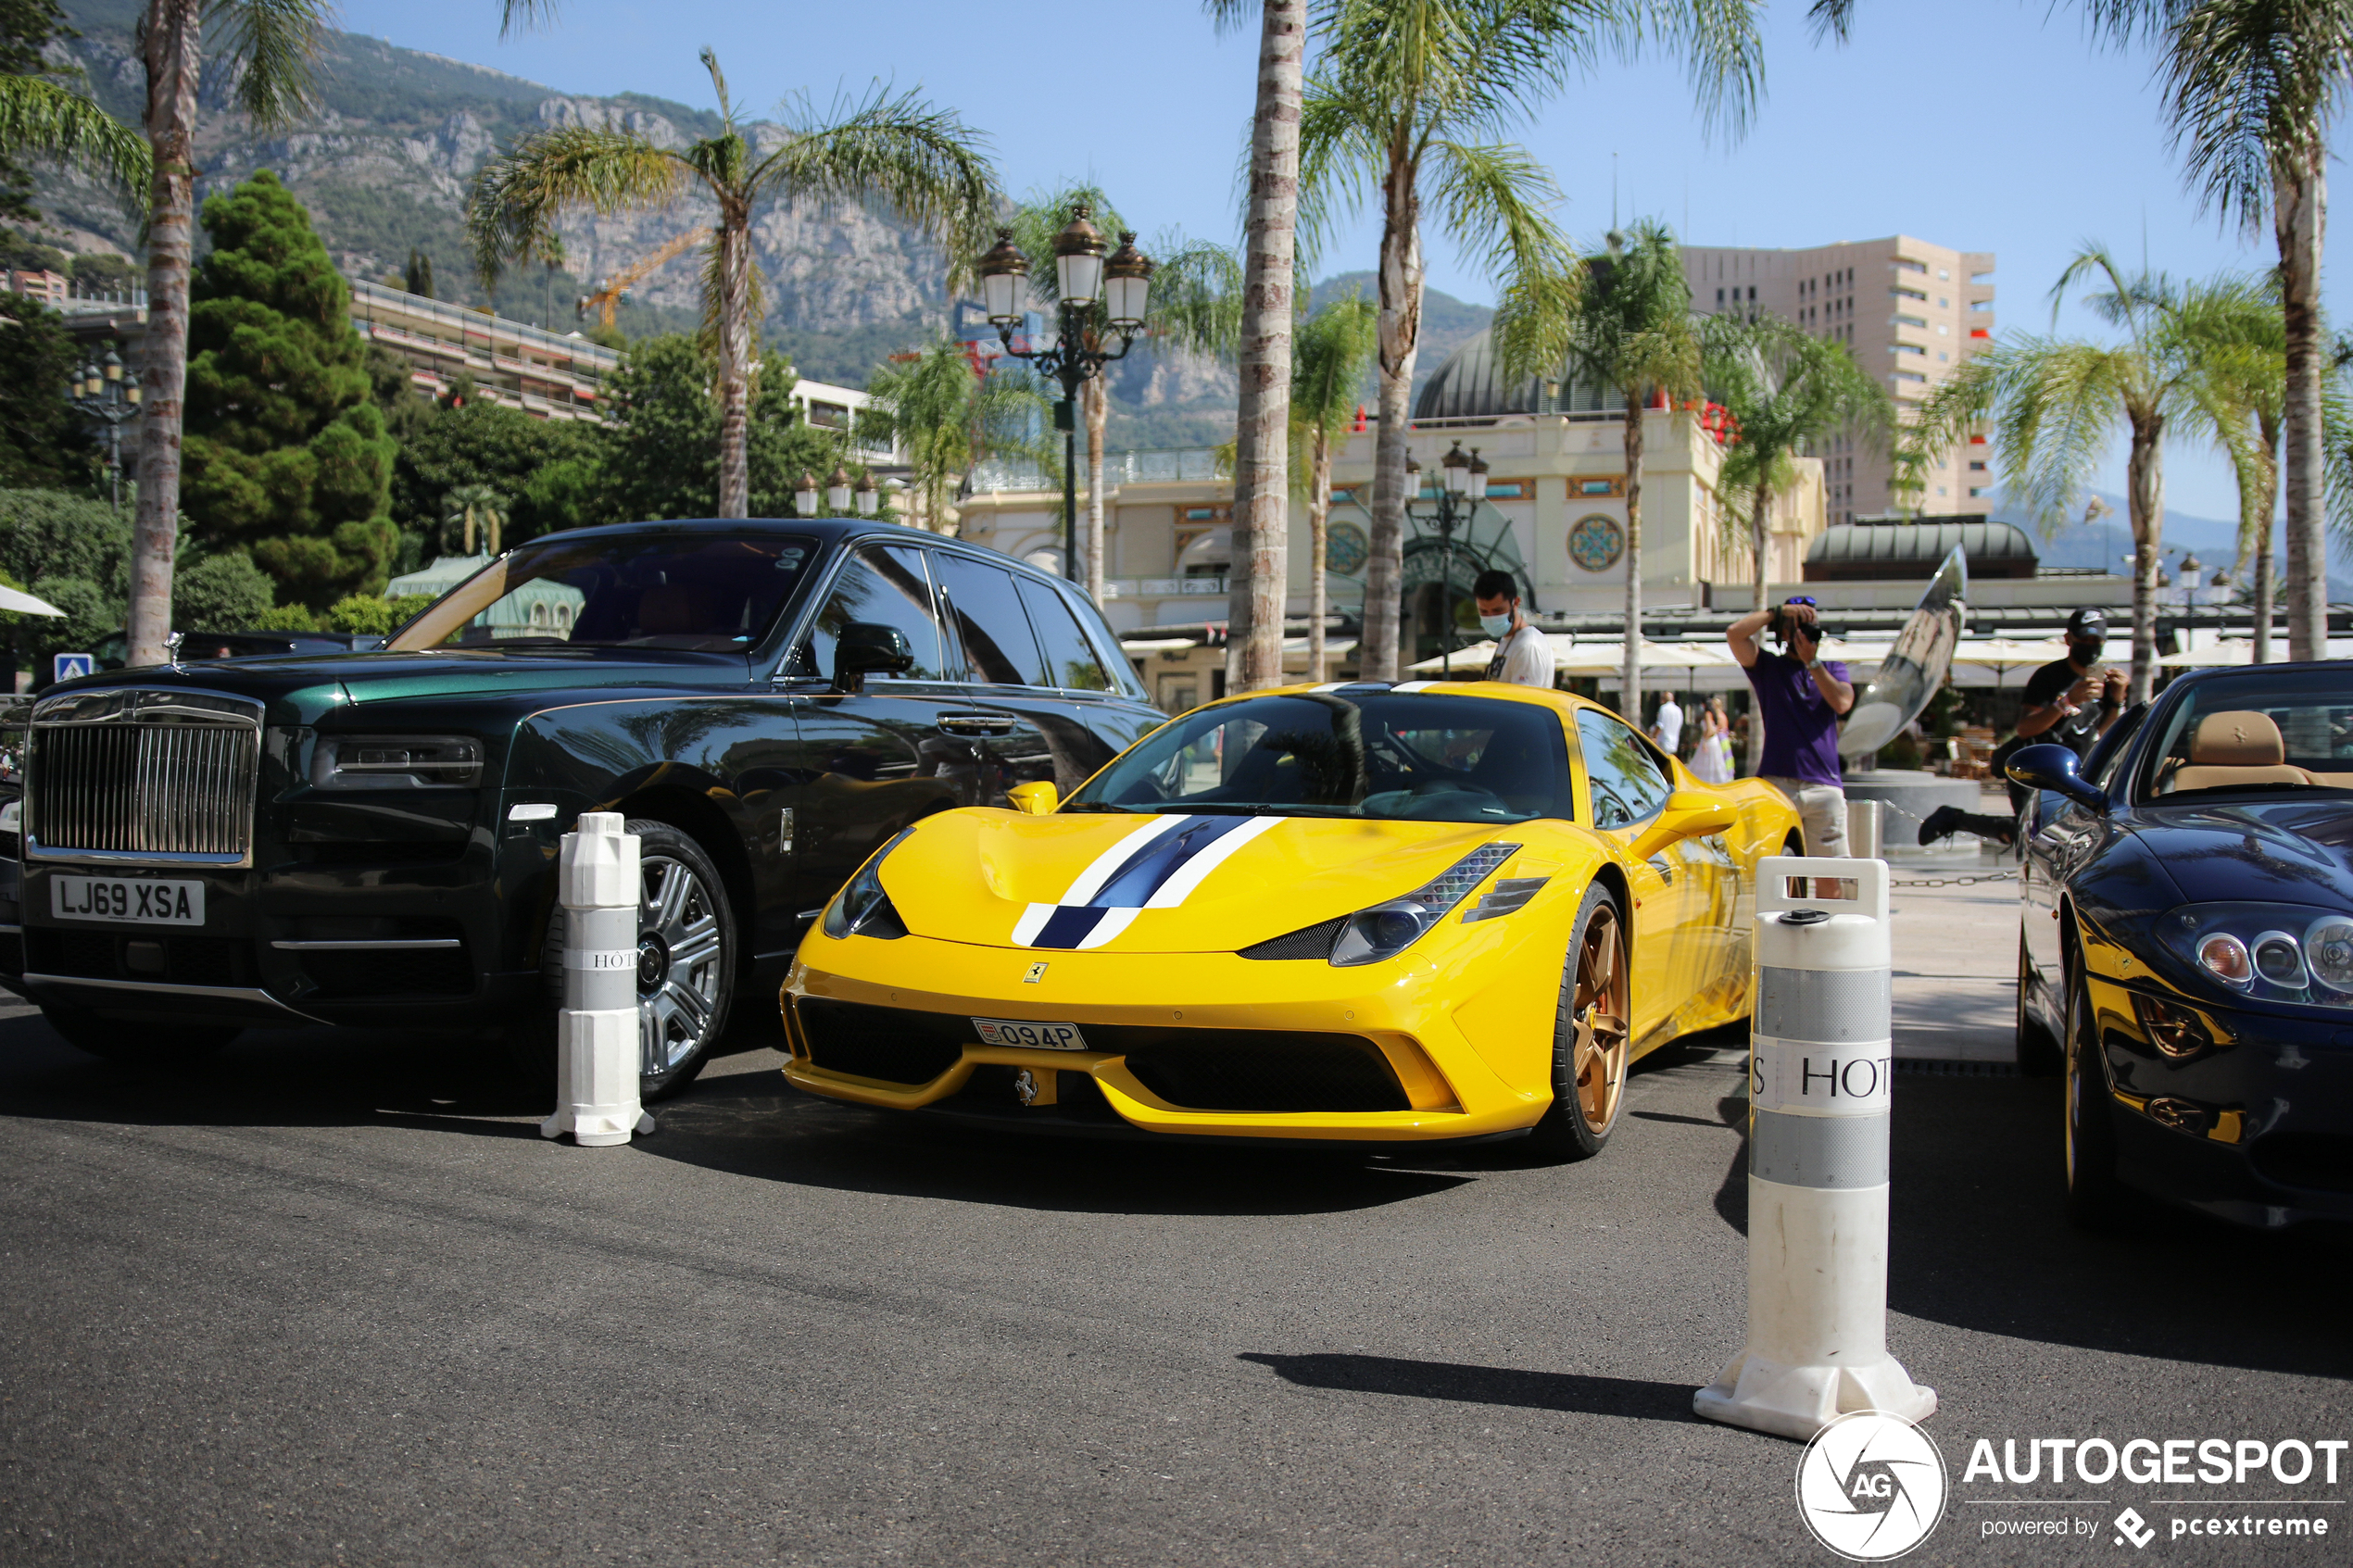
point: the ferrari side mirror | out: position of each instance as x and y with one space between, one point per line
2056 768
1689 813
1036 800
870 648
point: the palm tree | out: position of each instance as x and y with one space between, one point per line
2056 405
2239 401
1622 319
1330 353
1265 355
947 417
1413 100
42 118
1194 305
472 509
899 151
1786 390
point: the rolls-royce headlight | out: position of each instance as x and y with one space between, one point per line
1389 927
394 761
2266 952
862 908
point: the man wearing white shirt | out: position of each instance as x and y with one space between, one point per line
1667 727
1523 657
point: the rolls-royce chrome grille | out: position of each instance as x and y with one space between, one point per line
144 775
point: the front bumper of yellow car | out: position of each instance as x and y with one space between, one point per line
889 1024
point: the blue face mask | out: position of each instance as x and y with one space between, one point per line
1495 625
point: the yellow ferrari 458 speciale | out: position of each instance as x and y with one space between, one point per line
1361 911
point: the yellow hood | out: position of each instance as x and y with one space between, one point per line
1166 883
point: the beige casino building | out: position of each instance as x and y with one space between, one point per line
1554 517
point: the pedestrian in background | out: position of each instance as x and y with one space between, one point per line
1667 725
1712 755
1800 696
1522 656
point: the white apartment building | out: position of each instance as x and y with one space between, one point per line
1908 310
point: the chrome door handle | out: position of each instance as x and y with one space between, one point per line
976 723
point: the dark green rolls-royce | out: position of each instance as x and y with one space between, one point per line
370 840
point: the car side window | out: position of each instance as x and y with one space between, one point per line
2100 767
1626 781
985 611
884 583
1070 660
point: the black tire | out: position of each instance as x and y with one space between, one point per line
2039 1054
145 1045
1575 1127
704 975
2094 1194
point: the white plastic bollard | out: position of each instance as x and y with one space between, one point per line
1865 819
1820 1057
597 1032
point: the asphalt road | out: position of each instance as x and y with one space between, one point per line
331 1299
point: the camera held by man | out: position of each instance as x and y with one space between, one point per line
1800 698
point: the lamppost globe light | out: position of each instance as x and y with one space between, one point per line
1078 259
1004 271
2193 572
1457 466
130 392
837 491
1128 277
113 365
1477 488
869 498
804 495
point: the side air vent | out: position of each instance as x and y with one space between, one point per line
1314 942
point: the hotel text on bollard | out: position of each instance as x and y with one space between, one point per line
1817 1158
597 1032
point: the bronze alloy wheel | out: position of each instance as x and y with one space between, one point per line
1591 1043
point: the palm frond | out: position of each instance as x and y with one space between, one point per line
517 198
525 13
2251 87
1196 297
923 161
1495 201
42 119
274 45
1332 352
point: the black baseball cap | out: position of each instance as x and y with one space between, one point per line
2087 625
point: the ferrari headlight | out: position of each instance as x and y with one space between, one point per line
394 761
862 908
2266 952
1389 928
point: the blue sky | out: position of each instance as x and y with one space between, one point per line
1986 126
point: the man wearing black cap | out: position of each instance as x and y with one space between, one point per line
2068 703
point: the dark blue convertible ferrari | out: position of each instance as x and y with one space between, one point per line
2187 957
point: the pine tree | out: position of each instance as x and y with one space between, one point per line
286 452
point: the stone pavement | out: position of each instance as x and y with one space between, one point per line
1957 961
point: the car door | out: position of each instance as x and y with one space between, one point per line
877 758
1014 728
1675 953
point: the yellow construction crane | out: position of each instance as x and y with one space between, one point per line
608 297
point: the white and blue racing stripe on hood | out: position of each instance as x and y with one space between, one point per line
1156 867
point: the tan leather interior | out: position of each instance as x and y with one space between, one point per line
2236 748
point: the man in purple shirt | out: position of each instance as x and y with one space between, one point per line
1799 697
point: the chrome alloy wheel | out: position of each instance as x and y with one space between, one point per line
680 963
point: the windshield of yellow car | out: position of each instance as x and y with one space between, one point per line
2260 731
711 593
1376 754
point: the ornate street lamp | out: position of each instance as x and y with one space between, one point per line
100 394
869 498
1118 285
804 495
838 492
1463 484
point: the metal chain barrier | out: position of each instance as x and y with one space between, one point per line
2010 875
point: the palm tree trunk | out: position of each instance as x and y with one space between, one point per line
734 363
1319 523
2268 466
1401 324
2144 488
1630 704
1095 401
1262 431
1760 515
2300 220
172 46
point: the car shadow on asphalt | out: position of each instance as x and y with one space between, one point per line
1634 1398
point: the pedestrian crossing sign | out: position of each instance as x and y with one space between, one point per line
66 666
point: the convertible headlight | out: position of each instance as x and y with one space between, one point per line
1389 928
862 908
394 761
2268 952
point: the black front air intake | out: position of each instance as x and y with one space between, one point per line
891 1044
1254 1069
